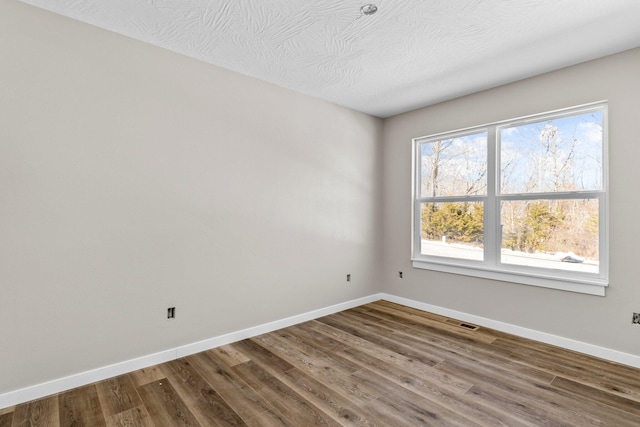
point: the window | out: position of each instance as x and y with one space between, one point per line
523 200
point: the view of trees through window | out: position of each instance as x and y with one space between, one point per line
549 177
566 230
455 166
450 169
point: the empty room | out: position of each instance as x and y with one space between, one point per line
297 213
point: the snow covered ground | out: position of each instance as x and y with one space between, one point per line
554 261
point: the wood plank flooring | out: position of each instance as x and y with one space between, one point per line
380 364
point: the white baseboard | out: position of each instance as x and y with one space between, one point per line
83 378
210 343
579 346
38 391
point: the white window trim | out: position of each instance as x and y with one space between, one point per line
491 267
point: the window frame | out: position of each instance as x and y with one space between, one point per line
492 267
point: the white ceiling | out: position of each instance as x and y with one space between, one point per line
410 54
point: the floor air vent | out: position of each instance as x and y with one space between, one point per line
464 325
469 326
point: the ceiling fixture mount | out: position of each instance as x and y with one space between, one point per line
369 9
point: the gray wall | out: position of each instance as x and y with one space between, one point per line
133 178
603 321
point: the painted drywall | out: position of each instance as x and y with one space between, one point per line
602 321
133 179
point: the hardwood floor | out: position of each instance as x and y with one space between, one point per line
379 364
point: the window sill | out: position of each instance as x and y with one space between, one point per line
590 287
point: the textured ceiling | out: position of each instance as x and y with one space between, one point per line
410 54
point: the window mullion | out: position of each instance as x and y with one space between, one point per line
491 224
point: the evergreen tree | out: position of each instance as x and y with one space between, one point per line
461 222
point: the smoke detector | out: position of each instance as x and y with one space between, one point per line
369 9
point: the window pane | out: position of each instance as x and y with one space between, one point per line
561 154
454 230
454 167
556 234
